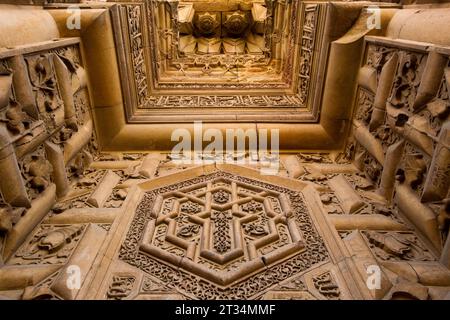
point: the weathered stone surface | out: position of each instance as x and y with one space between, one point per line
356 117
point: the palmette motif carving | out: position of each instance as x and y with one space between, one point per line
77 202
188 230
89 180
228 256
372 168
190 207
116 199
256 229
331 203
252 207
221 196
16 120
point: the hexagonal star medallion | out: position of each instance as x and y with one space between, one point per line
222 235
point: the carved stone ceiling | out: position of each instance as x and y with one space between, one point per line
140 225
195 57
218 43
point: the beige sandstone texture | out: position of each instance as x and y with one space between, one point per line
89 102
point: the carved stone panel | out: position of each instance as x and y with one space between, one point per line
397 246
49 244
176 45
222 236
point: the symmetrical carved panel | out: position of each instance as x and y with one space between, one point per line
209 235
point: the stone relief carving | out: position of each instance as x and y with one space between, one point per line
331 203
386 136
120 287
327 286
377 56
297 283
314 157
135 18
308 41
407 80
372 168
397 246
16 120
398 152
151 285
48 102
180 52
116 199
36 171
413 168
224 101
435 113
42 291
50 244
364 106
43 79
444 219
192 39
274 230
223 248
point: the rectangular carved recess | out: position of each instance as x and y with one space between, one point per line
258 61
